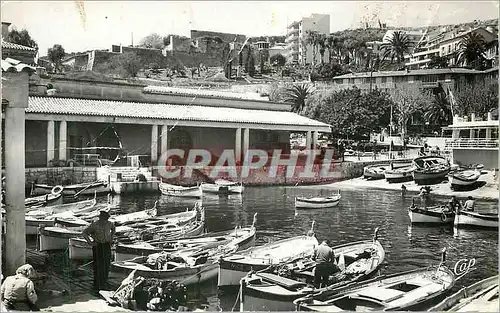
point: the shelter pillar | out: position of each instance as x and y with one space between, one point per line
488 133
50 141
314 140
63 134
15 91
237 145
154 144
308 140
246 140
164 139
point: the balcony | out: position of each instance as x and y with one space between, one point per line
474 143
291 38
292 31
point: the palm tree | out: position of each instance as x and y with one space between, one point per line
396 47
312 39
321 42
296 95
439 112
471 50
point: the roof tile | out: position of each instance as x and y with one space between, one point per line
107 108
13 66
203 92
10 45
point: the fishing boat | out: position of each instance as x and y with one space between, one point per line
478 297
398 175
435 214
235 267
317 202
473 219
79 206
180 191
56 238
242 237
187 268
44 200
222 186
397 292
463 178
429 169
72 190
275 290
375 171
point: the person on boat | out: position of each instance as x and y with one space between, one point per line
141 177
423 197
18 291
454 205
100 235
325 264
403 190
469 204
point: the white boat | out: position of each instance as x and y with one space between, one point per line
478 297
467 218
317 202
187 269
242 237
398 175
429 169
44 200
222 186
464 178
235 267
180 191
273 290
398 292
56 238
375 171
437 214
71 190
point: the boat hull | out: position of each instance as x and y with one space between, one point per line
431 215
55 238
398 176
422 178
463 180
40 189
302 203
79 249
32 225
221 189
473 219
179 191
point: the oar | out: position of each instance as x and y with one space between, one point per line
87 187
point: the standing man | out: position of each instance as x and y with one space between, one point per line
100 235
325 264
469 204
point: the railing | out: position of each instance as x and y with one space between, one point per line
472 143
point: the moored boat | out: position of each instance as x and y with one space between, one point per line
222 186
317 202
463 178
44 200
481 296
71 190
180 191
275 290
430 169
235 267
397 292
474 219
375 171
398 175
436 214
56 238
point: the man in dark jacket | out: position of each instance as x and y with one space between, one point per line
325 264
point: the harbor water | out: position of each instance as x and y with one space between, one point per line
359 212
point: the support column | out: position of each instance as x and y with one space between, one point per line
471 133
246 140
308 140
50 141
314 140
237 145
154 144
63 137
164 139
488 133
15 238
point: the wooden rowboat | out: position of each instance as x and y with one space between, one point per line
479 297
398 175
463 178
317 202
71 190
473 219
180 191
44 200
272 290
436 214
398 292
430 169
235 267
222 186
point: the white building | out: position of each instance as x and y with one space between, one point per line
300 52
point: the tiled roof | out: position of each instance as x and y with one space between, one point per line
10 45
107 108
203 92
411 73
11 65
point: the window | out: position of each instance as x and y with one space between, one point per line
429 79
441 77
384 79
351 80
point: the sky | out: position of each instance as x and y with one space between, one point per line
86 25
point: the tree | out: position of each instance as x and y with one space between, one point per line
250 63
408 99
22 38
152 41
129 64
471 50
396 47
438 62
296 95
351 112
278 60
439 111
312 38
56 54
478 96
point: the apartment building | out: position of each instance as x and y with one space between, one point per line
299 51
